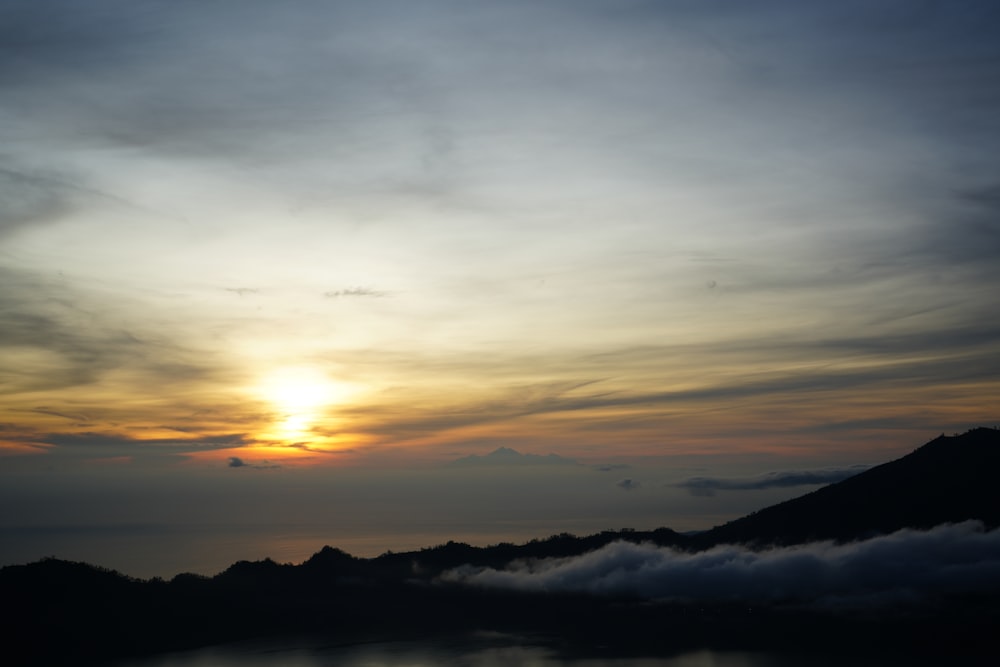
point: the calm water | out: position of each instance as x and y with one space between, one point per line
481 652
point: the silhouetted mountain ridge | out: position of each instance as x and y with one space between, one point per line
948 480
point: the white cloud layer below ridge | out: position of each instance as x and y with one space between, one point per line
906 566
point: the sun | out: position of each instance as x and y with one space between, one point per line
300 395
298 389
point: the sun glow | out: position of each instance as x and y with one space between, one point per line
298 389
301 397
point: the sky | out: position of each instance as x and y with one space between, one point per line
280 263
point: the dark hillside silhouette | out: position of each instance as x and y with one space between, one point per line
948 480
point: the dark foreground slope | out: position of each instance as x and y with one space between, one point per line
59 612
55 611
948 480
69 613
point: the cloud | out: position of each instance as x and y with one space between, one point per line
354 291
85 448
967 234
26 198
75 337
905 565
707 486
73 417
961 355
29 195
242 291
47 314
237 462
253 84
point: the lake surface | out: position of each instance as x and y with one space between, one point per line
486 651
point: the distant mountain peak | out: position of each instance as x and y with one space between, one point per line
505 456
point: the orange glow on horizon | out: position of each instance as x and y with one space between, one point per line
11 448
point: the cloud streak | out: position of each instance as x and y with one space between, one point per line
707 486
976 362
904 567
355 292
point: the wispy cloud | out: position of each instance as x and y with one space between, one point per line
611 467
49 314
903 567
27 198
907 368
242 291
355 292
103 445
707 486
